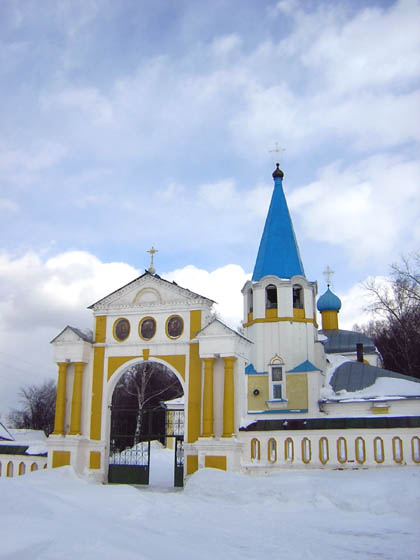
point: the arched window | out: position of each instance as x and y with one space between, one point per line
271 297
34 467
378 450
341 450
272 450
255 449
306 450
277 379
397 450
324 453
0 468
289 452
22 468
9 471
360 450
415 449
297 297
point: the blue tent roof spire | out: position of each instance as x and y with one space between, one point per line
279 252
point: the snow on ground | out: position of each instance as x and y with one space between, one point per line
295 515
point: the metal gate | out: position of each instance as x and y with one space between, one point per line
131 433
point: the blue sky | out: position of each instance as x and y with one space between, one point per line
130 124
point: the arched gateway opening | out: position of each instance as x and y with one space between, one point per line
146 410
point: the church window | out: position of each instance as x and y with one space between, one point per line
360 449
22 468
271 297
289 452
378 450
277 382
255 449
415 449
306 450
272 450
342 450
397 449
297 297
277 379
9 471
34 467
324 453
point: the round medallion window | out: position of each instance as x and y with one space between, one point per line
147 328
121 329
174 326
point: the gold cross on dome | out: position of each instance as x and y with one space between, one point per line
277 150
328 272
152 252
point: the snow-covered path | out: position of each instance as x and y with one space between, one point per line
295 515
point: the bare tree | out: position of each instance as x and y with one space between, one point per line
38 408
396 306
143 387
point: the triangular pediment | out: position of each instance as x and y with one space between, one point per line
72 334
218 328
150 291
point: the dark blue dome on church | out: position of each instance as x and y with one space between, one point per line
329 302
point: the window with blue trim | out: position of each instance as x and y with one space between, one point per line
277 382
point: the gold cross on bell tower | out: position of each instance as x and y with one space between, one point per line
277 150
328 272
152 252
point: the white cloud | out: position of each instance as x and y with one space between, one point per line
88 101
223 285
38 299
375 48
369 209
224 46
8 205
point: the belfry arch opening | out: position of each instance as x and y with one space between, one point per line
147 415
297 297
271 297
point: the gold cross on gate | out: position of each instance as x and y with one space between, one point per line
152 252
277 150
328 272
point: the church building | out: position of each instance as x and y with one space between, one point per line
280 393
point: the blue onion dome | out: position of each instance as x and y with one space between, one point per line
329 302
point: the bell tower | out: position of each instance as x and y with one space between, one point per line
280 315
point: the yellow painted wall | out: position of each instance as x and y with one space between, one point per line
259 382
215 462
97 390
60 458
329 320
298 313
276 319
194 381
177 362
192 464
194 395
95 460
297 390
271 313
100 328
117 361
